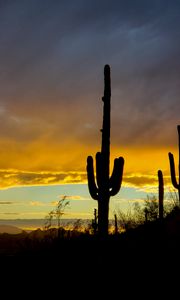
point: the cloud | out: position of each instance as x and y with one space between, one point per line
70 197
74 197
145 181
10 178
6 202
140 180
81 215
36 203
10 213
54 203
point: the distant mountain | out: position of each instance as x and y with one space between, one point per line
10 229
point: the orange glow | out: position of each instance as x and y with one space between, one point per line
45 162
146 160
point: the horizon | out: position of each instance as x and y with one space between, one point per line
51 84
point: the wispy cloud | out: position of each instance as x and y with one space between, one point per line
139 180
36 203
144 180
11 178
74 197
79 215
10 213
6 202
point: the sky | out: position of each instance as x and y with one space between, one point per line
52 55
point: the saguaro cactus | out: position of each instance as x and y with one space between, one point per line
94 222
172 167
105 186
161 193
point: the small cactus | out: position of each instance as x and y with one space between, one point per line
94 222
105 186
161 194
172 166
115 224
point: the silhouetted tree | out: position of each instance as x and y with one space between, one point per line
172 166
48 220
59 211
151 205
151 208
173 199
105 186
139 213
126 220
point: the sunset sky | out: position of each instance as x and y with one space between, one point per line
52 55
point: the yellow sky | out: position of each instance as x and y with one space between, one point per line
42 163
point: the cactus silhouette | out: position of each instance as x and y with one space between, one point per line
172 166
115 224
161 194
105 186
94 222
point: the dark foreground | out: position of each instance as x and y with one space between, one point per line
143 258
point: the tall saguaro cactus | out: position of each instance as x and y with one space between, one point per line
105 186
172 167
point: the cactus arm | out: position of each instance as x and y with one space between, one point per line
99 169
113 175
172 169
116 177
91 180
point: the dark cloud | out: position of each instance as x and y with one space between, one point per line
144 180
141 180
9 213
52 55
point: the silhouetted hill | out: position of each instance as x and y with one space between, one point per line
10 229
164 236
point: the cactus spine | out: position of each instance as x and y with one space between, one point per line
161 194
172 166
105 186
